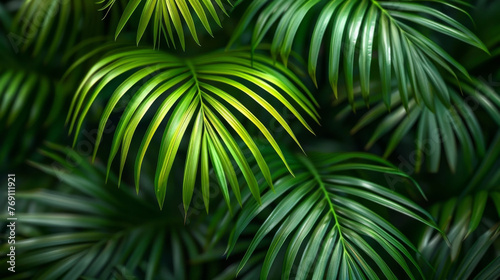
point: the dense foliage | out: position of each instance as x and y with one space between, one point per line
271 139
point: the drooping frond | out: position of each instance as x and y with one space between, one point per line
169 17
437 132
202 94
358 31
323 214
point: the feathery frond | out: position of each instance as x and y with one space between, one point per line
47 27
385 30
30 104
471 234
471 223
87 230
168 16
461 260
441 129
331 232
200 93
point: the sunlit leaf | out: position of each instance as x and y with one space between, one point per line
205 91
170 16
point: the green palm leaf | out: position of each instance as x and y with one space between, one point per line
471 232
47 27
323 215
29 107
202 94
487 175
86 230
461 261
484 13
168 17
437 132
384 30
471 223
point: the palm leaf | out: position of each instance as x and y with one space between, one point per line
471 235
201 93
437 132
168 17
484 13
472 255
487 175
86 230
30 104
323 215
48 27
385 30
471 223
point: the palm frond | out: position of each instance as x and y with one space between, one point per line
471 223
327 217
465 265
385 30
200 93
48 27
471 233
484 13
487 174
86 230
168 17
441 129
29 108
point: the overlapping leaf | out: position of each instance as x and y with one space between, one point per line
471 233
169 16
442 129
47 27
462 259
484 13
30 100
87 230
471 222
29 105
202 94
323 215
356 32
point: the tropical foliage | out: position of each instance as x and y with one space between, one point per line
331 219
240 152
369 26
169 17
130 245
441 129
197 101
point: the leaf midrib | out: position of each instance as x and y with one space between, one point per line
317 177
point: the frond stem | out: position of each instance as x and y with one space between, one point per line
317 177
393 21
195 76
374 2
